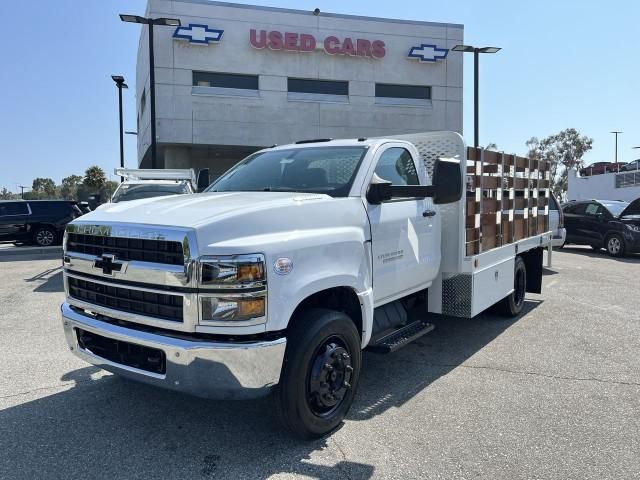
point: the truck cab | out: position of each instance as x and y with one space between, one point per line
276 277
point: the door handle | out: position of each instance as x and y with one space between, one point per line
428 213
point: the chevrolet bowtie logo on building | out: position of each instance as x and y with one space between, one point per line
109 265
198 34
428 53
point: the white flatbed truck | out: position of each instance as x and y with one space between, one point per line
298 258
139 183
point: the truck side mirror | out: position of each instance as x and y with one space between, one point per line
447 181
379 190
203 180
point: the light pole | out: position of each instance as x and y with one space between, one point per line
476 77
22 187
616 133
171 22
119 79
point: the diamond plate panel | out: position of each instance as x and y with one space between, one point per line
456 296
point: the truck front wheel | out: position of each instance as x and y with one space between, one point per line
320 372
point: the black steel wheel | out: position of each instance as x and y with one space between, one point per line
329 378
320 372
512 304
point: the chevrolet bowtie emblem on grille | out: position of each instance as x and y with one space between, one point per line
109 265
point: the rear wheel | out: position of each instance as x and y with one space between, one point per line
615 245
320 373
44 236
512 304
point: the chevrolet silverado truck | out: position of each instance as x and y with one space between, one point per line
298 258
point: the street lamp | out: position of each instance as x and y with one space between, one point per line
476 57
616 133
170 22
119 79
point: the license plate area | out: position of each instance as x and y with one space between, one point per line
124 353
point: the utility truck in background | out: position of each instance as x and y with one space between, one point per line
298 258
141 183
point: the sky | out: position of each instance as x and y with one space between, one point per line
571 63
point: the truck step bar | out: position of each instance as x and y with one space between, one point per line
401 337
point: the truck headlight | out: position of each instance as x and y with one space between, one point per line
233 271
225 309
633 228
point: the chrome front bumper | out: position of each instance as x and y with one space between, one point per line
200 368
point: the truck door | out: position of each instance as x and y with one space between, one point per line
405 232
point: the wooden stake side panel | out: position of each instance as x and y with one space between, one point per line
507 199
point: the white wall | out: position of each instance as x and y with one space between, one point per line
601 187
187 118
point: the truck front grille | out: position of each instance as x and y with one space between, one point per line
151 304
157 251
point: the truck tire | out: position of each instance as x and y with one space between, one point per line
512 304
319 374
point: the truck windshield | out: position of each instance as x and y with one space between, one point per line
132 191
328 170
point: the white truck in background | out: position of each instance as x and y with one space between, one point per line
294 261
139 183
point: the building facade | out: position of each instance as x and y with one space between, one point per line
234 78
623 186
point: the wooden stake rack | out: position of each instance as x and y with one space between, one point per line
507 199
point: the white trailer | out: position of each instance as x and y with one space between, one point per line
298 258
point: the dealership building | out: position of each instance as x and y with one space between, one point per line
234 78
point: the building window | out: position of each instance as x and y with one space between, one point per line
225 80
416 92
322 87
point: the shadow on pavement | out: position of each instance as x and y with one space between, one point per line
109 427
391 380
589 252
49 280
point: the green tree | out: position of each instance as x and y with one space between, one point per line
44 187
565 151
108 189
69 187
7 195
94 179
491 146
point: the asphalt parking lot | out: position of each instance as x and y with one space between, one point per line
552 394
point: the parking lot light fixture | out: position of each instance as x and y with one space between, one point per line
169 22
476 74
616 133
119 79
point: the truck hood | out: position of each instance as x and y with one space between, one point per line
196 210
238 220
